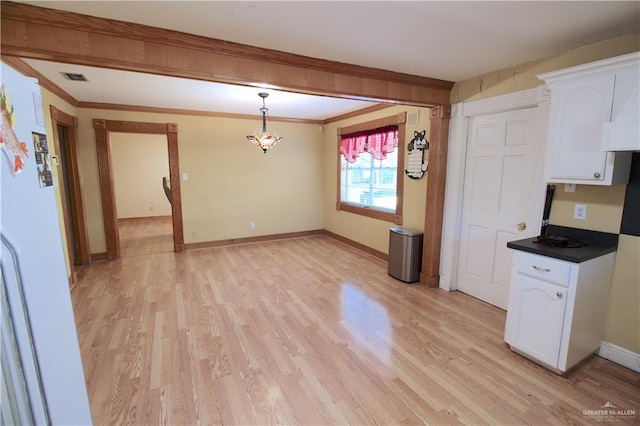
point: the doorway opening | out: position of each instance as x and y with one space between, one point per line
104 130
140 169
65 138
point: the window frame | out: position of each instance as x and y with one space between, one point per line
394 217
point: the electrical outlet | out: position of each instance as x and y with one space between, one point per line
580 211
195 234
252 225
150 208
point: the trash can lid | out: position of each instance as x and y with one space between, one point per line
406 231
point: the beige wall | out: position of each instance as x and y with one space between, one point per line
623 316
371 232
139 163
521 77
230 182
604 213
604 207
49 99
604 204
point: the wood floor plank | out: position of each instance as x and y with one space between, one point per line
142 236
310 331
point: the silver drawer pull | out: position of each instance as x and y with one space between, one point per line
539 269
559 294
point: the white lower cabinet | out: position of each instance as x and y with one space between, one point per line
557 309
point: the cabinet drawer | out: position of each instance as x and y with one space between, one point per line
544 268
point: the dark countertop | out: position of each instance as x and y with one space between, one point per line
598 244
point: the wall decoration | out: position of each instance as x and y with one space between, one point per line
416 164
9 143
43 160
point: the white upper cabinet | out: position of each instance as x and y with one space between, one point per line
593 112
622 133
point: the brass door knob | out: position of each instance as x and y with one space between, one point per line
521 226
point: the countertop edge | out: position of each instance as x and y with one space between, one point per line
561 256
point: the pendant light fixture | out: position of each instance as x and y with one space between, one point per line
262 138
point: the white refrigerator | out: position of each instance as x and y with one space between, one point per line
42 376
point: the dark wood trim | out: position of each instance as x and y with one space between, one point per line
98 257
247 240
177 111
176 193
66 214
141 218
402 120
357 113
436 176
395 217
74 220
107 190
373 252
398 119
136 127
370 212
49 34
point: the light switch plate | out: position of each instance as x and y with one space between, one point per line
569 187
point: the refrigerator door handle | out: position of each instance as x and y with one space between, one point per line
24 361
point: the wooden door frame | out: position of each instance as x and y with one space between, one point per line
75 220
105 171
455 178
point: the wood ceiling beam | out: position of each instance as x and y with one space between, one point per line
49 34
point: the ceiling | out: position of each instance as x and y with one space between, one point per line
450 40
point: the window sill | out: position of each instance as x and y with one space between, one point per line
370 212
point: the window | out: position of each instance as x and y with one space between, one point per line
370 168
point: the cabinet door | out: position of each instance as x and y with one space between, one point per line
535 318
623 132
579 109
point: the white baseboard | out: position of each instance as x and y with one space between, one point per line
620 355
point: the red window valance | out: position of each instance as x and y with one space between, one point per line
377 142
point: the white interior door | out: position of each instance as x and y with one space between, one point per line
496 200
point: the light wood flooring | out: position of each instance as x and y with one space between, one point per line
145 236
311 331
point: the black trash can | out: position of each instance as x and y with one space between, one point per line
405 254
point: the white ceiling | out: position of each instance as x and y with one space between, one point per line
449 40
132 88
